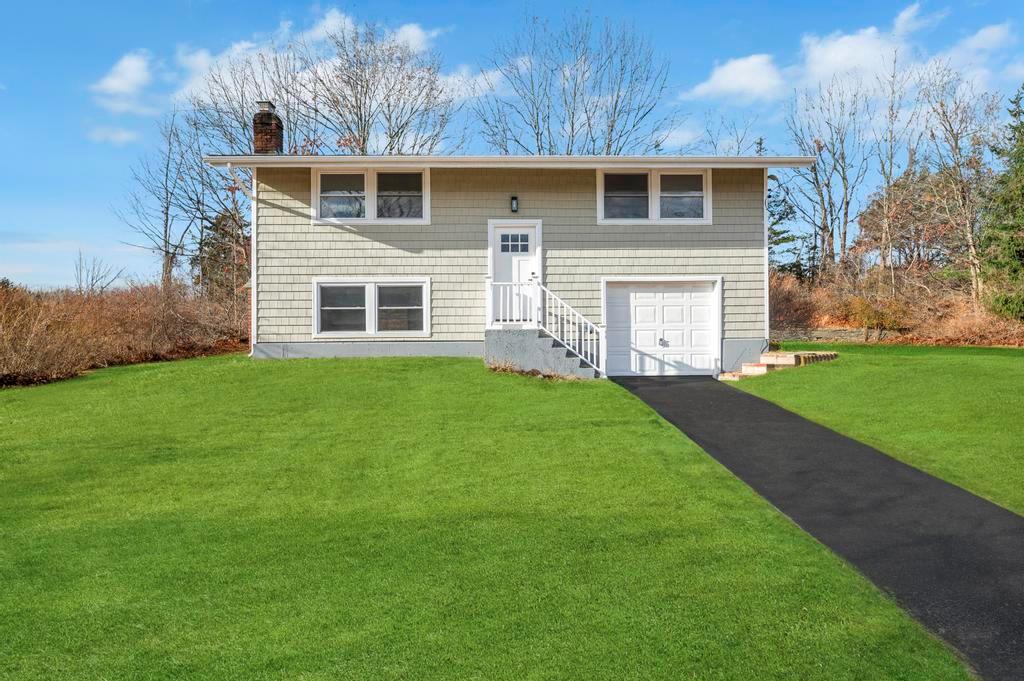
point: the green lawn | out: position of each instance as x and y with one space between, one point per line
957 413
404 519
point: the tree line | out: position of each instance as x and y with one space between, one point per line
915 187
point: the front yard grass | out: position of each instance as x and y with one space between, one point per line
957 413
404 518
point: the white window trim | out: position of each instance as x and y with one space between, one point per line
370 175
654 197
371 306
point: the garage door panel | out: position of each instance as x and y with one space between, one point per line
645 338
644 363
702 362
674 314
662 328
676 338
645 314
700 339
700 314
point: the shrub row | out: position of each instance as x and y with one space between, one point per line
50 335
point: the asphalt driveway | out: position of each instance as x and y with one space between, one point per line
953 560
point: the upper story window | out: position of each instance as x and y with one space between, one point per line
682 196
371 196
343 195
676 196
626 196
399 195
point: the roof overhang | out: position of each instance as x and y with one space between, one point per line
553 162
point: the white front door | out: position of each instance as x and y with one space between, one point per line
515 261
515 254
662 329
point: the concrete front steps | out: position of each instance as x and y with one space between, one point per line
773 361
533 351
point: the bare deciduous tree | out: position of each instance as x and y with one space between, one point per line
961 125
731 137
94 276
372 93
830 123
154 211
576 89
895 146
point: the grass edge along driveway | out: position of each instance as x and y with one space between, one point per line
404 518
952 412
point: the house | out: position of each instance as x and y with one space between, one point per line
592 265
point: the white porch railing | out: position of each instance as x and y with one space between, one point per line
531 304
512 302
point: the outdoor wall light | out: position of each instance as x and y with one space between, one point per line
515 204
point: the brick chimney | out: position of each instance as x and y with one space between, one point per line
267 130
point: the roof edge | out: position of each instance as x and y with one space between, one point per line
554 162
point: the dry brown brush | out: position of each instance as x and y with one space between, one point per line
50 335
921 314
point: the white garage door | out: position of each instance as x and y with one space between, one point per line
662 329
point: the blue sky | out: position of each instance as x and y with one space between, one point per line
82 84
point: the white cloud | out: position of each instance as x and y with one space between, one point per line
416 37
116 136
121 89
746 79
127 77
977 55
865 53
680 137
988 39
465 82
333 21
195 63
910 20
1014 71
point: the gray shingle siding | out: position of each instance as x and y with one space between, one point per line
452 250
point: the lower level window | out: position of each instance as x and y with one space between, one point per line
372 307
399 308
342 308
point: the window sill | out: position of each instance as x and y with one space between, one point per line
338 222
353 336
659 221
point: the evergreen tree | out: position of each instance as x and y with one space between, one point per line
783 245
1003 236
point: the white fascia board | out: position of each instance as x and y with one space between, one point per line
554 162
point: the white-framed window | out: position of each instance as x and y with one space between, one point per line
346 307
356 195
646 196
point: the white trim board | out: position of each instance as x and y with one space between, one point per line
552 161
253 264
